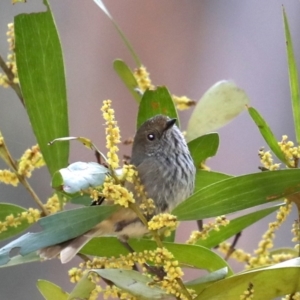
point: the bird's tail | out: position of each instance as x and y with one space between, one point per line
118 224
67 250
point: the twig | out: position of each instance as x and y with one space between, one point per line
11 163
10 75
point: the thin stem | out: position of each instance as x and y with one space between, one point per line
12 164
33 194
10 75
184 289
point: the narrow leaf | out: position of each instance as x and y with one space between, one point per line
42 79
15 210
267 134
205 178
122 35
58 228
235 226
204 147
81 200
154 103
268 283
83 289
238 193
51 291
202 282
293 76
104 247
19 260
218 106
133 282
127 77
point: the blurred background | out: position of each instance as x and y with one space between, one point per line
187 47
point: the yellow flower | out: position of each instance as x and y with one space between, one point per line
9 177
117 193
166 221
204 233
30 160
183 102
112 134
142 77
53 204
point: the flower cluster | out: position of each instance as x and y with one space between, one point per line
142 77
296 231
53 204
183 102
9 177
116 193
267 160
130 174
112 134
248 294
166 222
263 256
204 233
30 160
111 291
11 59
237 254
31 216
291 153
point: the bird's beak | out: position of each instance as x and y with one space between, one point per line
170 124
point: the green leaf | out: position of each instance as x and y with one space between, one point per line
58 228
11 209
293 77
127 77
238 193
205 178
19 260
268 283
57 180
122 35
235 226
204 147
192 256
218 106
110 246
267 134
202 282
154 103
133 282
42 79
51 291
82 289
82 200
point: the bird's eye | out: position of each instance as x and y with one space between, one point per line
151 137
